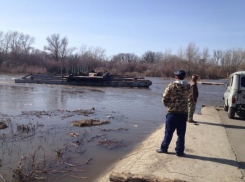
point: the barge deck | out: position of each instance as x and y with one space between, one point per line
90 79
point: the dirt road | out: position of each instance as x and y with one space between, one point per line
236 133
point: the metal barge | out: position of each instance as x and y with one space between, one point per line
103 79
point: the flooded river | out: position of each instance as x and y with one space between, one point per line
40 141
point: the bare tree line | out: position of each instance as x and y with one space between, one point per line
18 55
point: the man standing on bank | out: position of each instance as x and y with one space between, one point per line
192 98
175 98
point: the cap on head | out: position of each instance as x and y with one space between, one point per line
180 74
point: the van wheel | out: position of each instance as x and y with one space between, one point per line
231 113
225 107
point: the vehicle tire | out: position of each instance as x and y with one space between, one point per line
231 112
225 107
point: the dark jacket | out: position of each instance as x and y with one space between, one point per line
193 91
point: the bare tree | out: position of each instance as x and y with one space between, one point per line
17 45
125 57
98 53
242 67
117 58
26 42
238 58
58 47
169 59
167 53
131 57
6 43
192 53
217 55
1 47
63 48
1 42
15 42
83 49
91 57
181 53
231 60
149 57
159 56
204 56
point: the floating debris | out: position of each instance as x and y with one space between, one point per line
84 112
119 129
25 128
36 113
73 134
95 137
77 143
111 144
58 154
3 125
40 124
89 122
110 117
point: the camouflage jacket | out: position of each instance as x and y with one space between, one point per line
175 98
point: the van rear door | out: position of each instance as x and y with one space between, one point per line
241 90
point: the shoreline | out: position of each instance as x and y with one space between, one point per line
209 155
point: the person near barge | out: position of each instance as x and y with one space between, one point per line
175 98
192 98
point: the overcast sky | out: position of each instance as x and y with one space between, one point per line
129 26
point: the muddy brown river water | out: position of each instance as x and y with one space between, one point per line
40 141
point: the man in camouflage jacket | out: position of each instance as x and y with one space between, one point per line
175 98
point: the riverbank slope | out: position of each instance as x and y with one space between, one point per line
209 155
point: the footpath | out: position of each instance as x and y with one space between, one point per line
209 155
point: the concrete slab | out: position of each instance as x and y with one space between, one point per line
209 156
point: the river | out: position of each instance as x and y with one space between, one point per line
134 113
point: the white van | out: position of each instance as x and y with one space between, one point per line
234 96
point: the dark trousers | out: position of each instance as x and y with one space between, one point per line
178 122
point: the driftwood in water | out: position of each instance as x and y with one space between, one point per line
89 122
128 177
3 125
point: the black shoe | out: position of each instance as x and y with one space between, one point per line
180 154
192 121
162 151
